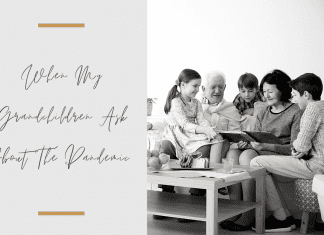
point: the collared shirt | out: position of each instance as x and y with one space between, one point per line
206 101
242 105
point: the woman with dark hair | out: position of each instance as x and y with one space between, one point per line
281 117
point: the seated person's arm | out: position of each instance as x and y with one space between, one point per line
179 114
200 117
207 130
311 123
284 149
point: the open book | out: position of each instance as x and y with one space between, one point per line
248 136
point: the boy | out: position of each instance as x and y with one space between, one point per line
307 157
248 85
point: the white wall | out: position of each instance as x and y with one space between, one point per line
234 37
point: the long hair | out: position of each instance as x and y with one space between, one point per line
185 76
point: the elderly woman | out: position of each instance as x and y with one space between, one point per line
280 117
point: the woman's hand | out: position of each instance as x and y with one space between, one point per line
242 145
209 131
257 146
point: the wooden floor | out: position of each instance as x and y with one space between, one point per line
172 226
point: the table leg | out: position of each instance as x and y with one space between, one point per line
260 210
212 212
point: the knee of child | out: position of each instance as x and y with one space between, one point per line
244 161
166 144
169 149
246 157
233 153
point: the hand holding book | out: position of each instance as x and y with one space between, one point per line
210 132
242 145
258 146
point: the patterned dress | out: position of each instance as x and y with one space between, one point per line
181 124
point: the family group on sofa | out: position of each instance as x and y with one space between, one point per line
289 109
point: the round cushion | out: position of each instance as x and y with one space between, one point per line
305 198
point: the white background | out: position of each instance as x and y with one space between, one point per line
232 36
113 44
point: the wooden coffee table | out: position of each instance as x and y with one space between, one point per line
209 209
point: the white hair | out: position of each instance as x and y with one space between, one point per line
213 75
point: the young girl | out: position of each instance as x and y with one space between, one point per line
187 130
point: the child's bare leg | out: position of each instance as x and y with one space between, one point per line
248 187
235 190
216 153
234 154
225 148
